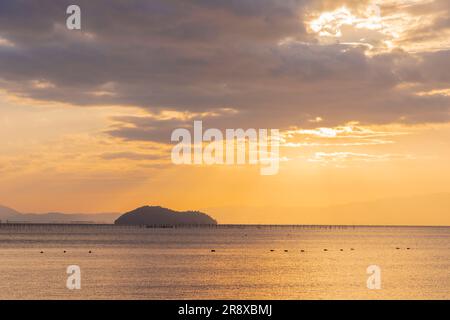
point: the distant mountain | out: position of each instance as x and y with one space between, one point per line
431 209
158 216
11 215
8 213
420 210
56 217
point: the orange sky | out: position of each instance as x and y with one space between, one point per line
361 100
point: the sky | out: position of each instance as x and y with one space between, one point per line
359 90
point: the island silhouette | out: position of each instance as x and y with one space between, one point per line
159 216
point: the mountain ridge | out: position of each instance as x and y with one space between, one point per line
12 215
421 210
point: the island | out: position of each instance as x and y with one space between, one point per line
156 216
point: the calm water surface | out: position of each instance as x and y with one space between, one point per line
140 263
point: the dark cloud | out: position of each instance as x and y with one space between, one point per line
205 55
146 128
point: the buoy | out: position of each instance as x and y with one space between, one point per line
397 248
408 248
302 250
213 250
286 250
341 249
64 251
90 251
325 249
272 250
42 251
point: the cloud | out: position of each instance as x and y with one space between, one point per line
338 157
158 127
200 57
347 135
5 43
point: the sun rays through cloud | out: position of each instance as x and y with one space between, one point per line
359 91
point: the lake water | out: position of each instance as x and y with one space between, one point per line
140 263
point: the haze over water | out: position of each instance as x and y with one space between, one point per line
140 263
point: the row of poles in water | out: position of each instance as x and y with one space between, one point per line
18 226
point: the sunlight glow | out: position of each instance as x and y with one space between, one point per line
378 28
330 23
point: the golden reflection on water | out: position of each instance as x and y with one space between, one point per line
225 263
